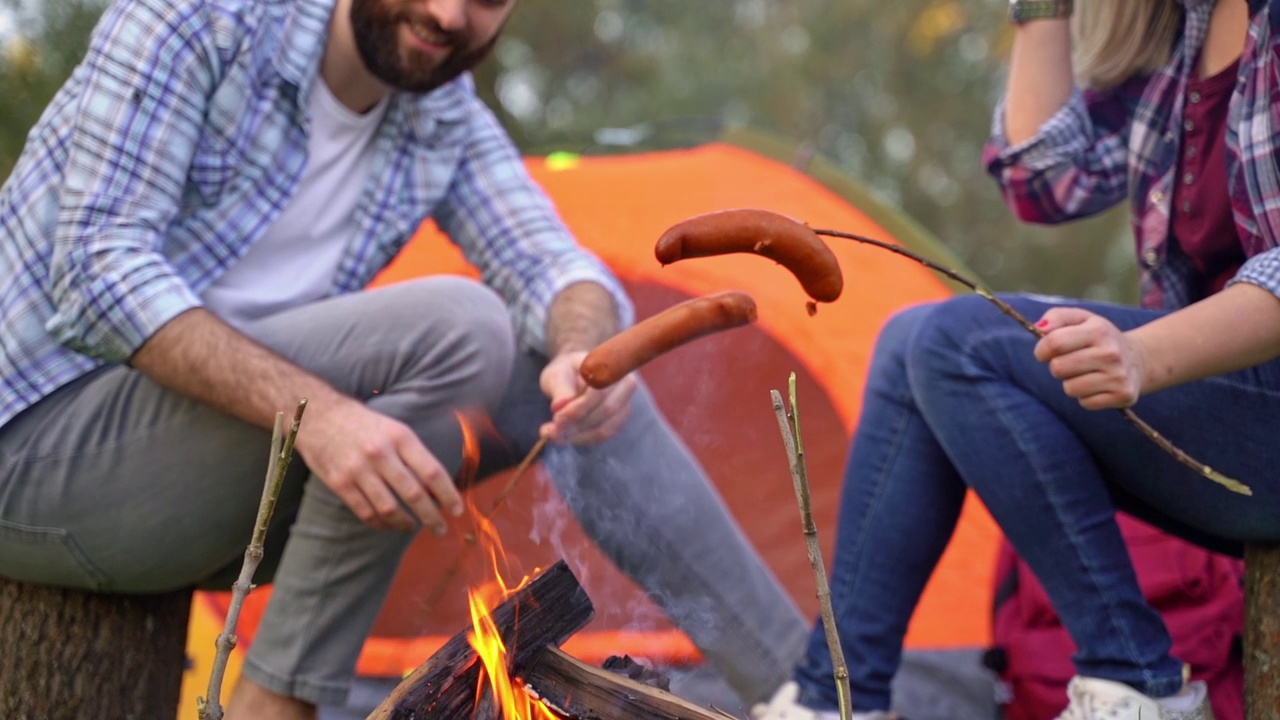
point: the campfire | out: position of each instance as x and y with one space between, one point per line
508 664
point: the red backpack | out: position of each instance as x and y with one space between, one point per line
1198 593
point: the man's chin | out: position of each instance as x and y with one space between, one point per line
424 86
410 83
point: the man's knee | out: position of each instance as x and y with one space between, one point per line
451 332
443 309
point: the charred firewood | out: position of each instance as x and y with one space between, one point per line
546 612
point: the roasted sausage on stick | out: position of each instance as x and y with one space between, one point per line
789 243
623 353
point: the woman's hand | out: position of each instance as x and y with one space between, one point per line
1098 364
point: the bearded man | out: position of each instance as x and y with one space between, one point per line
183 248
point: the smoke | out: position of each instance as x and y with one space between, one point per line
550 520
622 520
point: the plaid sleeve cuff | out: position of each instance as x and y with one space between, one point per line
1262 270
109 322
1061 138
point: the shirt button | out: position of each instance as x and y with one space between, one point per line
1186 206
1188 178
1151 257
1188 126
1195 96
1191 151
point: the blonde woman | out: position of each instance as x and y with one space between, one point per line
1166 105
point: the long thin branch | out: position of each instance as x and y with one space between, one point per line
446 580
800 480
1160 440
451 572
277 466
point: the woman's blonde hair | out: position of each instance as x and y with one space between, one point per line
1116 39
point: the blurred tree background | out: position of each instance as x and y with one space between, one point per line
898 95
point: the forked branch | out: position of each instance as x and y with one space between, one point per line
789 425
210 707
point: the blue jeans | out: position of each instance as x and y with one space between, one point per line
956 400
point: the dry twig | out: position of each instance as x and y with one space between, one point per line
1151 433
446 580
790 428
210 708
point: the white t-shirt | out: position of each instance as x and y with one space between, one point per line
295 260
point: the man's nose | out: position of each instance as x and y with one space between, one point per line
450 15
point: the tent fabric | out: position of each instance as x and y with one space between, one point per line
715 392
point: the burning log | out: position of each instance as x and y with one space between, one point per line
532 623
547 611
578 691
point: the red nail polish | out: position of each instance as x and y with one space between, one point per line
1042 324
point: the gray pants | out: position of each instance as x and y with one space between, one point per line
116 484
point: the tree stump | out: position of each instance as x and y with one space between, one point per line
70 654
1262 632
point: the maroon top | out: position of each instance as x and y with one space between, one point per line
1202 221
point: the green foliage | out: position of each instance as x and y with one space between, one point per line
49 40
897 95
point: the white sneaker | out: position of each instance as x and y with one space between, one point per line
785 705
1097 699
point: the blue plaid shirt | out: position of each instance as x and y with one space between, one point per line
181 137
1121 144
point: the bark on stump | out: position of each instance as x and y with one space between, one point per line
70 654
1262 632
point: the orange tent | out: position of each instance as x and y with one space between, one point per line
714 391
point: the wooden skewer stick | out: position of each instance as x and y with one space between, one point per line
1229 483
442 585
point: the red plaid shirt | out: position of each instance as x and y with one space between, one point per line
1124 143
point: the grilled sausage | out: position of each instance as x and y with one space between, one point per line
789 243
623 353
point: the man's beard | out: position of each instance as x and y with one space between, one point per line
377 41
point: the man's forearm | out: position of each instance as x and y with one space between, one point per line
201 357
582 316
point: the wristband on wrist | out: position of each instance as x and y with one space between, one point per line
1021 11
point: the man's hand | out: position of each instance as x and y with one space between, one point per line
1097 363
368 459
373 463
580 414
581 317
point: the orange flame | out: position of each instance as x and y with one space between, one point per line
512 700
510 697
470 451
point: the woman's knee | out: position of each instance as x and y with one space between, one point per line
899 328
969 334
888 357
